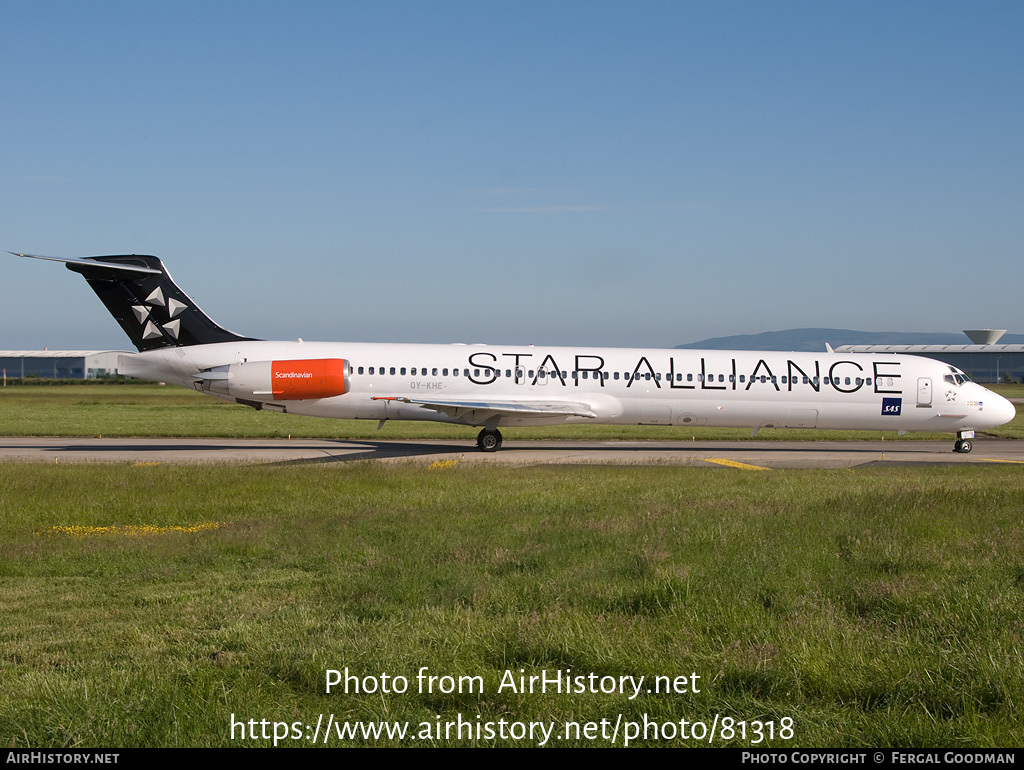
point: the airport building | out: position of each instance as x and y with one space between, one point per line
60 364
984 360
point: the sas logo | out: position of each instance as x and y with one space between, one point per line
892 406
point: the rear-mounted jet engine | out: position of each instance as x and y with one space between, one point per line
279 380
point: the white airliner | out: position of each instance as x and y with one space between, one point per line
495 386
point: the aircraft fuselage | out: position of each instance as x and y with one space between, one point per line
624 386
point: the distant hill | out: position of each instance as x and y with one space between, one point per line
814 340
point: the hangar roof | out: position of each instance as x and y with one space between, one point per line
54 353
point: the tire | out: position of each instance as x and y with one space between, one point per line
489 440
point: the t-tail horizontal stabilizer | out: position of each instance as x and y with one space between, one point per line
141 295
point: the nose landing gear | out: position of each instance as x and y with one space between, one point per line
963 443
489 440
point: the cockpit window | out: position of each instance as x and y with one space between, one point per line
957 377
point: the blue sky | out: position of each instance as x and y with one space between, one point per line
584 173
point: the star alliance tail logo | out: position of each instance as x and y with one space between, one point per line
153 327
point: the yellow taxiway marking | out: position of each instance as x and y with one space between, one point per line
734 464
990 460
441 465
129 530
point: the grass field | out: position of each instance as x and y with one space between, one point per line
144 605
152 410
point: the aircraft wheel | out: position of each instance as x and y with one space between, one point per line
489 440
963 446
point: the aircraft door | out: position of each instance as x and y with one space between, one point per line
924 391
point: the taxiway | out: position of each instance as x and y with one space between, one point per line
731 454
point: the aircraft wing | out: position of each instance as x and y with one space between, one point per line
460 408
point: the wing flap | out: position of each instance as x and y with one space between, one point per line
459 408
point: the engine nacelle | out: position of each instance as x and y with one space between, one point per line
279 380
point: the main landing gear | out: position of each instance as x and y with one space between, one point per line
489 440
963 443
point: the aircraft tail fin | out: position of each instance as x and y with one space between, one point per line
143 298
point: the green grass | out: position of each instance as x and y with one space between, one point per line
874 607
152 410
1008 390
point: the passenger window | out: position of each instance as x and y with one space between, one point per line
392 370
433 372
444 372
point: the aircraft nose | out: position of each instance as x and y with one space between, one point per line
999 409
